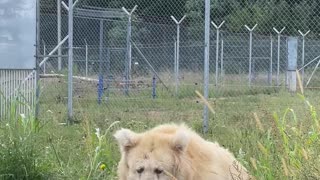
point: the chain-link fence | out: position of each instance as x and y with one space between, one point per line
150 52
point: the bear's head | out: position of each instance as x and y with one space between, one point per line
154 155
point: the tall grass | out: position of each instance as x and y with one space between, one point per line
285 148
30 149
19 152
106 168
279 145
290 149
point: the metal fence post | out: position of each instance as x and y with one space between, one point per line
44 54
70 62
303 53
86 57
129 50
177 59
206 63
292 63
154 87
59 32
108 74
101 47
37 68
175 65
278 60
217 50
222 63
271 56
250 52
69 8
177 51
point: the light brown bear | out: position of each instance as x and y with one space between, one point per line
174 152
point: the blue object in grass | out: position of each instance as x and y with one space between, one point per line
154 84
100 89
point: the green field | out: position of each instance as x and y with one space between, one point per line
271 146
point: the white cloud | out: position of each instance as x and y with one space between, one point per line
17 33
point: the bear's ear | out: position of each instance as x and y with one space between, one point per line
180 141
126 138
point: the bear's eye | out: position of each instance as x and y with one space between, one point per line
158 171
140 170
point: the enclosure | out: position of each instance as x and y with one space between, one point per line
122 55
105 64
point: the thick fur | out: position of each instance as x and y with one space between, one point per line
174 151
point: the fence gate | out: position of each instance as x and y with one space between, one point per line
17 92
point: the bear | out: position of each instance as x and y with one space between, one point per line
174 152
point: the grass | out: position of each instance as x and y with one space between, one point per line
275 134
20 156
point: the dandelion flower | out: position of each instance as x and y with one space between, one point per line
102 166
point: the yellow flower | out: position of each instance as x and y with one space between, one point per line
102 166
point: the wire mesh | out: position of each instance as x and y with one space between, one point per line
112 65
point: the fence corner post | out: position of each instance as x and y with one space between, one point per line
292 63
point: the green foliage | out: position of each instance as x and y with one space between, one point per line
20 155
118 33
272 147
266 13
283 145
292 144
102 162
297 15
146 7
